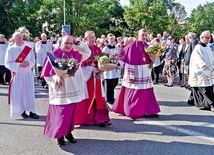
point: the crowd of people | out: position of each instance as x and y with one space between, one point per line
83 98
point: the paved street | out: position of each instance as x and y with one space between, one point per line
180 130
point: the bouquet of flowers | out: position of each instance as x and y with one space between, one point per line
154 51
107 62
63 67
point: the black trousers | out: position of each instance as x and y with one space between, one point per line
155 73
110 86
5 74
41 81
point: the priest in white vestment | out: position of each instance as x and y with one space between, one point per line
21 90
62 101
41 49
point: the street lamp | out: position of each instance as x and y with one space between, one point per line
64 10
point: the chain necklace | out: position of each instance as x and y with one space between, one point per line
143 54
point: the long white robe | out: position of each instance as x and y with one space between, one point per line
3 48
201 67
41 52
22 95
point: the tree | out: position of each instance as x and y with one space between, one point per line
5 6
201 19
156 15
96 15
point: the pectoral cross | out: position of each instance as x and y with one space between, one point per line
20 59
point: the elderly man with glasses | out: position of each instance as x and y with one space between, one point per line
201 76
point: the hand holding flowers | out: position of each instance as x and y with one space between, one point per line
106 62
63 68
154 51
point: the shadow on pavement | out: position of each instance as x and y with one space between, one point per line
135 147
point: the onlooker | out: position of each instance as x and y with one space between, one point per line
159 37
156 64
193 43
170 66
5 74
62 102
184 68
181 50
165 36
21 89
201 73
211 43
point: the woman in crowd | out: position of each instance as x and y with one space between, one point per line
170 66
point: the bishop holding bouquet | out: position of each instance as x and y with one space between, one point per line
65 90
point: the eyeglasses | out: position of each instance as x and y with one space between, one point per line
206 37
91 37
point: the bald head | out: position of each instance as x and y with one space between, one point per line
67 43
89 38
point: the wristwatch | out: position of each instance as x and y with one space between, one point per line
78 43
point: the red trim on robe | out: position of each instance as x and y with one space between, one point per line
90 83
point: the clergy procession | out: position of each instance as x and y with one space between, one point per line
82 74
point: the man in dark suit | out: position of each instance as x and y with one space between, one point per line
193 42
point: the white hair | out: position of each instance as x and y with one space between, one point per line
15 34
43 34
1 35
204 34
191 34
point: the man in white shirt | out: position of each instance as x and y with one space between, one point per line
42 47
111 77
4 72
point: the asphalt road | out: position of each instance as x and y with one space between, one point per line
180 130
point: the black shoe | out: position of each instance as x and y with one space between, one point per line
205 108
71 138
171 85
191 102
33 115
107 123
24 115
151 116
102 124
61 141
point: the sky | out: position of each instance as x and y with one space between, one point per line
188 4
